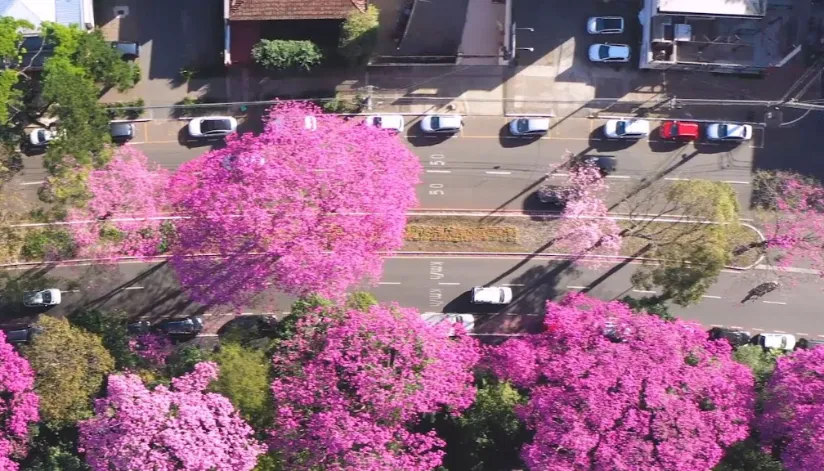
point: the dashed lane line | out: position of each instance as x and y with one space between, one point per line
134 287
644 291
576 287
711 297
445 283
495 172
773 302
389 282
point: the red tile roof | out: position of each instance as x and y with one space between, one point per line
293 9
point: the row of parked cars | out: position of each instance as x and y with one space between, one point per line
119 131
778 341
186 327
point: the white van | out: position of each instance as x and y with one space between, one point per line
491 295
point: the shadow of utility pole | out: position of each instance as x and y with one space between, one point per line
617 267
647 182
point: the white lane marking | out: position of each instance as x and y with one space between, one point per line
643 291
439 171
626 177
443 283
512 284
70 291
32 183
576 287
772 302
735 182
757 329
736 327
206 335
675 179
801 333
495 172
711 297
779 332
389 282
134 287
716 325
559 175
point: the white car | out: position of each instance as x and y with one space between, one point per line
435 318
729 132
441 123
491 295
46 297
609 53
310 123
385 121
777 341
605 25
529 126
41 136
212 126
626 128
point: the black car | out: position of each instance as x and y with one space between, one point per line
188 326
606 163
129 50
138 327
555 194
23 335
121 132
736 338
809 343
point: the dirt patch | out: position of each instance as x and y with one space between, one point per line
527 235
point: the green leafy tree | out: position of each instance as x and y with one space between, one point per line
245 378
691 256
71 365
54 449
361 301
11 38
488 436
747 456
184 359
650 305
103 63
359 34
281 54
761 361
112 327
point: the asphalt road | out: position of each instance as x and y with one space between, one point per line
150 291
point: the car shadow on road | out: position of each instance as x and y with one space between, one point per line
418 138
659 145
184 139
706 147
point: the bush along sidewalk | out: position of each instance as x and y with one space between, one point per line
126 109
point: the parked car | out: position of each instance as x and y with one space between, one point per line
606 163
212 126
777 341
121 132
446 123
556 195
605 25
809 343
42 298
735 337
491 295
626 128
609 53
188 326
22 335
41 136
612 332
129 50
729 132
435 318
679 130
385 121
529 126
310 123
139 327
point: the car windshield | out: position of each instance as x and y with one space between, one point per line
41 135
210 125
378 121
436 122
523 125
621 127
722 130
599 24
47 297
603 52
503 297
675 130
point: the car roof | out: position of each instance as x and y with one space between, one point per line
448 120
739 130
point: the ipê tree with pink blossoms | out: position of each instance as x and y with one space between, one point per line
18 405
585 227
792 423
611 390
309 205
350 385
791 218
121 218
181 428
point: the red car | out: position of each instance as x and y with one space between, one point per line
679 130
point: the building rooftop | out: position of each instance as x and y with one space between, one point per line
264 10
65 12
714 7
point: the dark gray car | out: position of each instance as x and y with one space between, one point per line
121 132
129 50
188 326
23 335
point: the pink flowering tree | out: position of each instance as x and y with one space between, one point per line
18 405
793 223
610 390
152 348
585 227
306 208
167 429
350 384
793 420
120 218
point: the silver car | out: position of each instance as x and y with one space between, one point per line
43 298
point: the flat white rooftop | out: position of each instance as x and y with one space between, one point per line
714 7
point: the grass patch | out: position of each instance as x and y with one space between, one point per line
461 233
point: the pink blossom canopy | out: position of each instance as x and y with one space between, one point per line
127 195
612 391
18 405
182 428
305 209
349 384
793 418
